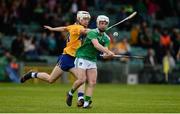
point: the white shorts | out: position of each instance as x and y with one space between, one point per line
84 64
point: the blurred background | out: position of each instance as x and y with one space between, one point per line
154 33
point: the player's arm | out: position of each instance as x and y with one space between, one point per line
106 56
57 29
101 48
84 30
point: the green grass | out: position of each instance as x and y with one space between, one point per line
107 98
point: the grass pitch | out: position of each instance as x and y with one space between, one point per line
109 98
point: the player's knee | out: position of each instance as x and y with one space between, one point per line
82 80
92 83
50 81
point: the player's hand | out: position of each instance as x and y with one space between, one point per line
110 54
47 27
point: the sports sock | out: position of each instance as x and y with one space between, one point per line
71 92
86 102
80 96
34 74
87 98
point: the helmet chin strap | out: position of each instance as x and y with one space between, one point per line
101 30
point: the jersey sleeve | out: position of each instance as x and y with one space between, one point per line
69 27
74 30
91 35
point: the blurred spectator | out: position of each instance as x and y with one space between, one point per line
52 43
25 11
178 59
69 18
156 33
51 14
123 47
2 11
166 43
52 4
30 49
120 16
43 44
134 35
161 51
83 5
168 65
149 72
112 41
165 39
172 7
14 11
8 23
145 36
3 64
2 48
99 4
38 12
2 7
152 8
56 21
17 47
11 66
176 41
173 33
150 60
74 8
178 7
141 8
60 43
129 9
163 44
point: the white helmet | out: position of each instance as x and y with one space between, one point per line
82 14
102 18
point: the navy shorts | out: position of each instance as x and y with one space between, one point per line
65 62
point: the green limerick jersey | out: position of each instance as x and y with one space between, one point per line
87 50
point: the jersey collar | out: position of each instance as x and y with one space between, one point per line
99 31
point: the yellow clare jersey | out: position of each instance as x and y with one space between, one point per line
73 40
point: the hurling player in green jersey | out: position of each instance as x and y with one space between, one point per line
86 57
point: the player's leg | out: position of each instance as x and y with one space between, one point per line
91 77
55 74
80 80
57 71
80 90
65 62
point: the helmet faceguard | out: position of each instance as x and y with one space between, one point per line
102 18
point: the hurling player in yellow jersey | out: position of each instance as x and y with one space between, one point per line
66 60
